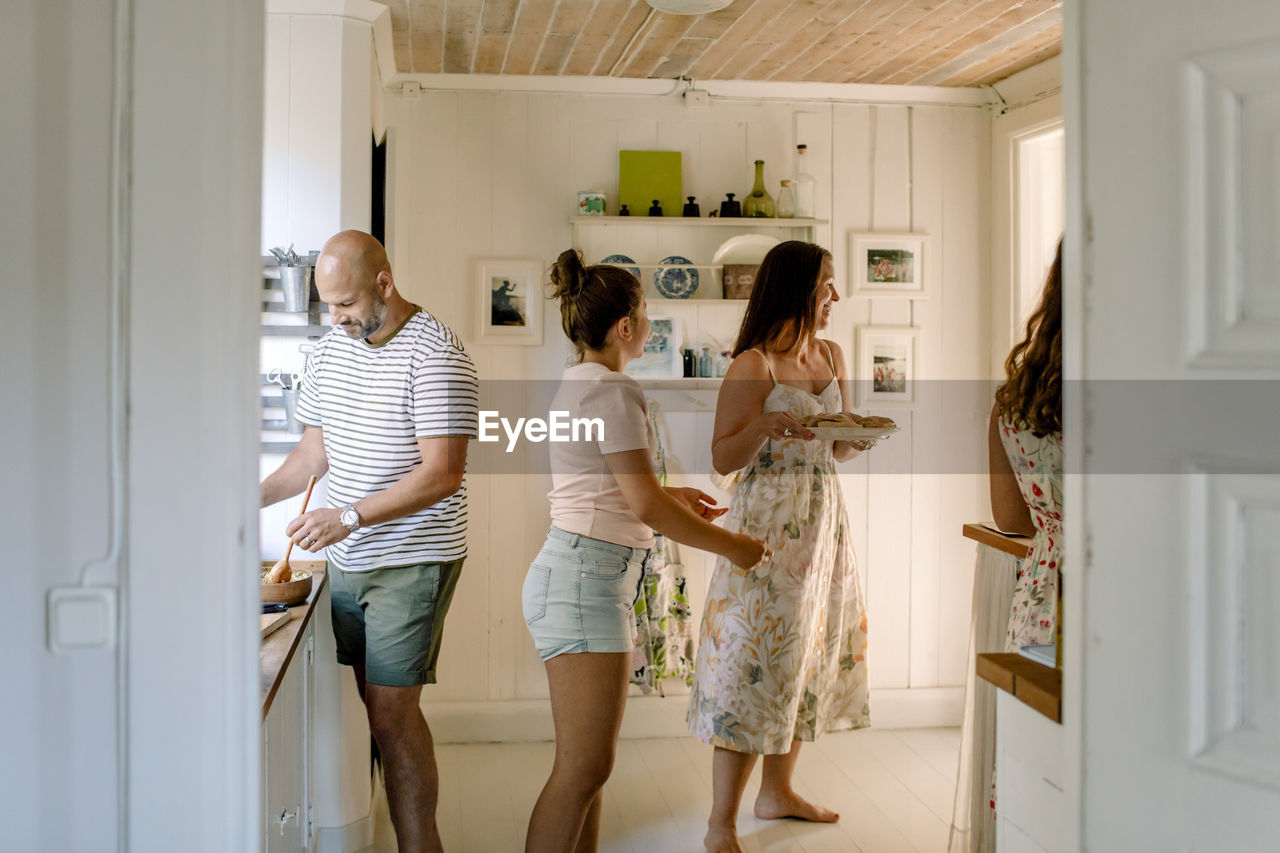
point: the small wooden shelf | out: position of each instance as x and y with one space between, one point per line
1017 546
1034 684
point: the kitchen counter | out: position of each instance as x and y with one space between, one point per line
279 646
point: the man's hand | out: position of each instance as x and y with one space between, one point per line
317 529
700 502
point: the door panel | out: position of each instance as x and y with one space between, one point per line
1176 125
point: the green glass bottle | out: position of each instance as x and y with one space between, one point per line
759 202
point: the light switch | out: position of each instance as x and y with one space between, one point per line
81 619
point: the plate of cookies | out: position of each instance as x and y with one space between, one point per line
849 426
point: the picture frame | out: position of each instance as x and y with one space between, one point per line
662 358
887 365
509 301
887 265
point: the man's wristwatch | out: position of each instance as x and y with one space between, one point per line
350 518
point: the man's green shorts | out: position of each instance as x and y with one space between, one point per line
390 620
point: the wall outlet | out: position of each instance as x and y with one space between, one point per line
81 619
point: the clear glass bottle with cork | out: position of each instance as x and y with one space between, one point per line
804 186
786 200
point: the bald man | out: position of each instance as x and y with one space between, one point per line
389 400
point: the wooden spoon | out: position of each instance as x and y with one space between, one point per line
281 572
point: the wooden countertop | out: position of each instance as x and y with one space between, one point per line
1018 546
1037 685
278 646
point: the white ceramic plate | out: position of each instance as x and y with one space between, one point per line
852 433
744 249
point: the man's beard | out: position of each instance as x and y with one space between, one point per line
374 323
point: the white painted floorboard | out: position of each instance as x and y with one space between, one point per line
892 788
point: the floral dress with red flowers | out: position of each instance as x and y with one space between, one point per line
1037 463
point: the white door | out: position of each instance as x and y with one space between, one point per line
1173 590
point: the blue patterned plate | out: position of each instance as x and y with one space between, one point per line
621 261
673 282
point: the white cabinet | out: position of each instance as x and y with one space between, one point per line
706 317
1030 799
287 748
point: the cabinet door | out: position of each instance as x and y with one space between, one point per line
307 719
284 814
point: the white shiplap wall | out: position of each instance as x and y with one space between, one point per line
496 174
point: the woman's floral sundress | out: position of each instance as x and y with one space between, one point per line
782 651
1037 463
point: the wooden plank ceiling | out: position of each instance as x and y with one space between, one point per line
922 42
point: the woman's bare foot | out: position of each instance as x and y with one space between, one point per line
791 804
722 839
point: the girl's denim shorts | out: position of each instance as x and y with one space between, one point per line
579 594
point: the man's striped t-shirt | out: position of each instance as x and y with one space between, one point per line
373 404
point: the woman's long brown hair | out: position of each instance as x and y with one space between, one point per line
784 298
1031 396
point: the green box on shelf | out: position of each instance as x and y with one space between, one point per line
647 175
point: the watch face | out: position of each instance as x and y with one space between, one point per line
350 518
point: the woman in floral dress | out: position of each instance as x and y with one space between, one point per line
782 652
1025 449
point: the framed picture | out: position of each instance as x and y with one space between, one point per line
661 358
886 366
509 302
887 265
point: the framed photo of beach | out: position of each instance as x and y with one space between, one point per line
661 358
509 302
887 265
886 365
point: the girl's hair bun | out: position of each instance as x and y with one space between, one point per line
592 298
568 277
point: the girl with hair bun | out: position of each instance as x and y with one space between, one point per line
606 503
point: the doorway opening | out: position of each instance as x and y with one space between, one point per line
1039 197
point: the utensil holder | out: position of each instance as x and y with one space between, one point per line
296 288
292 424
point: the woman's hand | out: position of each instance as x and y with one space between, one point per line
702 504
780 425
843 451
750 552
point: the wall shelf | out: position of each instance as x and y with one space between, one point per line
648 239
738 222
305 326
